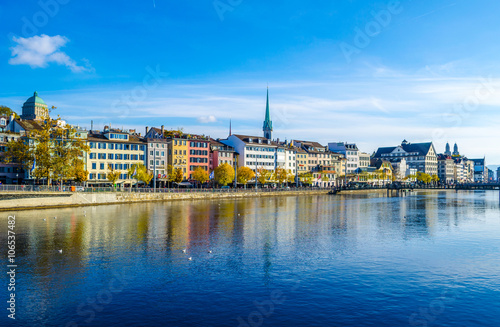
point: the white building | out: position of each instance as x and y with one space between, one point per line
254 151
351 153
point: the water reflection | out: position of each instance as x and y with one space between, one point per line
256 244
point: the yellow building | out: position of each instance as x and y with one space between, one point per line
113 149
178 154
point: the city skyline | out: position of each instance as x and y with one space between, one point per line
327 83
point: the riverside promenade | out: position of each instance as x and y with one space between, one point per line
28 197
20 197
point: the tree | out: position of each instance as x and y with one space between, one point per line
224 174
280 175
244 175
290 177
53 147
423 177
140 172
81 175
7 112
113 176
178 176
200 175
263 175
306 178
435 178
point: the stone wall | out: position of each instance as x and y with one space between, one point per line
27 200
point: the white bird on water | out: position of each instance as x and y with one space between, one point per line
190 258
60 251
184 251
55 217
44 219
209 251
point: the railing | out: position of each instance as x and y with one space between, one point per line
66 188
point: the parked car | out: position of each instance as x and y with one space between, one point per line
79 188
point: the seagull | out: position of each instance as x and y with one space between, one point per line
44 219
238 214
190 258
184 251
60 251
55 217
209 251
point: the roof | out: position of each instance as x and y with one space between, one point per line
29 125
101 138
35 99
255 140
420 148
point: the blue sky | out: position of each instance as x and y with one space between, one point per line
370 72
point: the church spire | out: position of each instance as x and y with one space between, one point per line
230 127
268 124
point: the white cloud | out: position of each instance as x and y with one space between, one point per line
39 51
207 119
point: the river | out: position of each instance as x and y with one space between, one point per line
427 259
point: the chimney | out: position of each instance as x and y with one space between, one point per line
162 130
146 131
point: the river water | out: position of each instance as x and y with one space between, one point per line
427 259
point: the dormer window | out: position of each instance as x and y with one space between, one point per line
260 141
250 140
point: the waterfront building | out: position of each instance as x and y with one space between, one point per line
447 169
480 170
157 153
364 160
178 153
254 152
220 153
114 150
301 158
35 108
198 153
384 169
421 156
350 152
10 173
290 158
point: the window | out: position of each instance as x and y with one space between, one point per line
94 165
101 166
92 156
110 156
